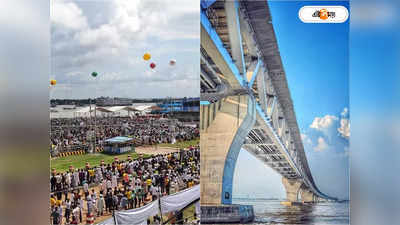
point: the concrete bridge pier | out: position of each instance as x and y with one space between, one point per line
220 122
224 126
292 187
307 196
315 198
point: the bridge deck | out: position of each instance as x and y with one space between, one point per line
275 139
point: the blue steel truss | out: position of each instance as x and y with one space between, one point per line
206 3
234 150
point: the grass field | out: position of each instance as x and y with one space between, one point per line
183 144
188 213
78 161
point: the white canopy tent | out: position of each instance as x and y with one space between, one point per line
119 109
143 107
86 111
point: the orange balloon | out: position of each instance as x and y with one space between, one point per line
53 82
146 56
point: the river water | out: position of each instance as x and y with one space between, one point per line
272 212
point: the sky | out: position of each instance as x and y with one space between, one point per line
110 38
315 58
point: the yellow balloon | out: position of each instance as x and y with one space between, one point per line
53 82
146 56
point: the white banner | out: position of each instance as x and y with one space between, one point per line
137 216
180 200
170 203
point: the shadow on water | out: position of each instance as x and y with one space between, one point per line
287 215
272 212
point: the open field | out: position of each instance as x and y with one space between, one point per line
183 144
62 164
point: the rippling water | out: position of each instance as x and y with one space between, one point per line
272 212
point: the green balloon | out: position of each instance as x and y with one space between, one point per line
94 74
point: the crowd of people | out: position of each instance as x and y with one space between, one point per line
98 190
72 133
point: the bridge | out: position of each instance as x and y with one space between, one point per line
246 103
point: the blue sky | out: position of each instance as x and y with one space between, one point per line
315 58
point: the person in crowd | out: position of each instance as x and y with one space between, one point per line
56 216
89 204
76 214
70 134
100 205
154 192
142 181
67 210
124 202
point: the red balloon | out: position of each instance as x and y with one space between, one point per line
152 65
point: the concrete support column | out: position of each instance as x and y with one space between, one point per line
215 143
292 187
306 195
314 198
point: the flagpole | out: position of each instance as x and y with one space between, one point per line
113 215
90 118
159 205
95 115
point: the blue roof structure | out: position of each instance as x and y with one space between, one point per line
118 139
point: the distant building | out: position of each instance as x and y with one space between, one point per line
107 101
179 105
68 107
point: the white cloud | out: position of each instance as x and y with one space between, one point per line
106 35
344 129
137 21
321 146
68 15
306 139
323 123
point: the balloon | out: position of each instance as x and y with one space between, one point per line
94 74
152 65
146 56
53 82
172 62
